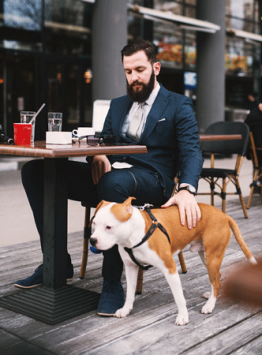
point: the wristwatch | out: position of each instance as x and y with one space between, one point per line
189 188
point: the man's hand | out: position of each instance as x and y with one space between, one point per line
99 167
187 206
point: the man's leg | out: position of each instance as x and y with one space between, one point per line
80 187
117 186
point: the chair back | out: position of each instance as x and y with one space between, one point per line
227 147
256 129
100 109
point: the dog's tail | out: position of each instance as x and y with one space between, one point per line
241 241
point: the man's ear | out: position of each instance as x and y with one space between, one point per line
156 68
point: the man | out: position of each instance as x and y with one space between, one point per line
149 115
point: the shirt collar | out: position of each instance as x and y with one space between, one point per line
153 95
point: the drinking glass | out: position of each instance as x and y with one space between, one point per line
25 117
55 121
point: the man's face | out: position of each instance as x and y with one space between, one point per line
140 75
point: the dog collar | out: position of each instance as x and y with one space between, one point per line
154 225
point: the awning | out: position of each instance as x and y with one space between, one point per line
243 34
167 16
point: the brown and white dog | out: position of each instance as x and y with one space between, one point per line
126 226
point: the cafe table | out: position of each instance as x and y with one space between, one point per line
55 301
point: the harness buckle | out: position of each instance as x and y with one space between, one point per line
146 205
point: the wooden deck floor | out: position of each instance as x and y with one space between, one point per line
233 328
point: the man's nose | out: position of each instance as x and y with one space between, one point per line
134 77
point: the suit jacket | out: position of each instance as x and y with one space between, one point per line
170 134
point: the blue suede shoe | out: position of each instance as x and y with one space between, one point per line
37 278
112 298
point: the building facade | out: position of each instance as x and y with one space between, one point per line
66 53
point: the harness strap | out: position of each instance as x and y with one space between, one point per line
146 237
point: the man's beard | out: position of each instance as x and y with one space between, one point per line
143 94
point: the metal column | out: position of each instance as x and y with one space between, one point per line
109 36
211 65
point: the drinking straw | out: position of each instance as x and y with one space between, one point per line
34 117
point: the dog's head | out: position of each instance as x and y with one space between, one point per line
111 223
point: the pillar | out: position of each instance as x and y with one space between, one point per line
109 36
211 65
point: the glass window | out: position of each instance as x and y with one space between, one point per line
170 49
175 7
240 8
25 14
190 51
190 11
239 56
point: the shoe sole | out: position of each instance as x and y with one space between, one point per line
32 286
106 314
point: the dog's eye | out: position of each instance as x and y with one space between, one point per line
108 227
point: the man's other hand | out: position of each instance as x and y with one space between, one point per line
99 167
188 207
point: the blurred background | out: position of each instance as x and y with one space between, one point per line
66 53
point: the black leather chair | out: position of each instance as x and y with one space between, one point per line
255 151
225 148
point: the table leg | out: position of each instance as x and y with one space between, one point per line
55 301
55 224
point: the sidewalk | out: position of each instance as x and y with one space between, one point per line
16 219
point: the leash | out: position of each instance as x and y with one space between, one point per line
155 224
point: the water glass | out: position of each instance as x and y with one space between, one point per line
25 117
55 121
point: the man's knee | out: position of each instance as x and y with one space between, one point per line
115 186
32 172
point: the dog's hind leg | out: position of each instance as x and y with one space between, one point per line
213 267
201 253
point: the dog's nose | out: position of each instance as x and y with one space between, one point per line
93 241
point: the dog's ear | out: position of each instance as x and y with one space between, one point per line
101 204
124 210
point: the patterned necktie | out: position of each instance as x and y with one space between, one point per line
136 124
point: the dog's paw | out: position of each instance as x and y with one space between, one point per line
208 308
122 312
182 319
206 295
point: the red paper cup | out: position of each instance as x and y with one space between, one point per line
22 133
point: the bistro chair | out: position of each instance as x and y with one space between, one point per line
100 109
255 148
224 148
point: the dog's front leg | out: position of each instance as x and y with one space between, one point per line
131 271
176 288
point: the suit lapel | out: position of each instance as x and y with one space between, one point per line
154 115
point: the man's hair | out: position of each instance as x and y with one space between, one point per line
141 45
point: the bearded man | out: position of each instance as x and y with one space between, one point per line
149 115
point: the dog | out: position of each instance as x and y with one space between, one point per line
128 226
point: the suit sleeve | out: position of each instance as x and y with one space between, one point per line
190 157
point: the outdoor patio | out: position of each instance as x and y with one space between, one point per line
233 328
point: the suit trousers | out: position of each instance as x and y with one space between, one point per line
114 186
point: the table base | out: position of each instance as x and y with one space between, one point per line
51 306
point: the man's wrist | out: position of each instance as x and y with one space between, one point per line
191 189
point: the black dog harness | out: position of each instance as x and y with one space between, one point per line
151 230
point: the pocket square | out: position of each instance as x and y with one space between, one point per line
162 119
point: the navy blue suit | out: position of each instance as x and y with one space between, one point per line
170 134
172 141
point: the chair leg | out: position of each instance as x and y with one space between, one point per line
182 262
139 285
255 178
85 244
241 198
223 195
